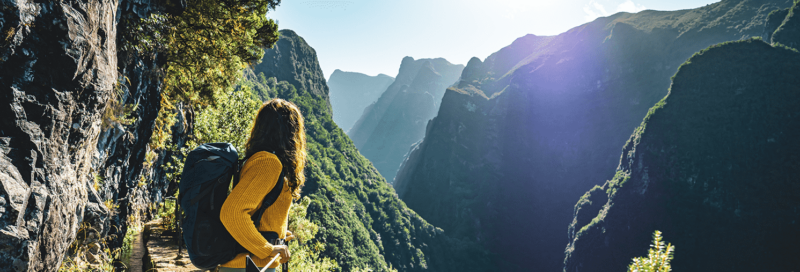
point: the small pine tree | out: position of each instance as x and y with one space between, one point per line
657 259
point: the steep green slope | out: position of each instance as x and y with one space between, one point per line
362 221
516 143
713 165
352 92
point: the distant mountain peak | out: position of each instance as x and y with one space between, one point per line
407 60
427 75
387 129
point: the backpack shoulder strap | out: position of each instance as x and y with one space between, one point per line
270 199
238 171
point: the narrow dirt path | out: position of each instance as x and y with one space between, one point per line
162 251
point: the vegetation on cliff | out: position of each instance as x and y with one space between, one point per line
788 32
528 130
712 160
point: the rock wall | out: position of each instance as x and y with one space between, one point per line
65 165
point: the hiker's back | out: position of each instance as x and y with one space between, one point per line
262 173
206 177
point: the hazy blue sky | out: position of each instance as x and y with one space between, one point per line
372 36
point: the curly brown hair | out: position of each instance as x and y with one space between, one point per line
279 129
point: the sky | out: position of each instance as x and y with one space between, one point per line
373 36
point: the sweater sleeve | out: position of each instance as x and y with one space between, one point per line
258 177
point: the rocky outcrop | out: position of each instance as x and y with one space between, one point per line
387 128
67 165
530 129
306 72
352 92
713 166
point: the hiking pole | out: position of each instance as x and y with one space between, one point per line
285 266
270 263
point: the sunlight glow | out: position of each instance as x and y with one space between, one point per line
372 37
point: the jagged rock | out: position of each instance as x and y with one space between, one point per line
58 69
303 56
713 166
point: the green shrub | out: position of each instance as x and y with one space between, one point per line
657 259
305 250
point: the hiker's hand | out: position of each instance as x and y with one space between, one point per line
283 250
289 236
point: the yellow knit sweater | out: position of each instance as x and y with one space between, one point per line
258 176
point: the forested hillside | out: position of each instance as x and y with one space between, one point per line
528 130
363 224
713 165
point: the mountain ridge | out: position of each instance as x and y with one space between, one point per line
530 141
683 171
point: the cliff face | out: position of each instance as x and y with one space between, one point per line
362 221
527 131
352 92
713 166
306 74
388 127
61 156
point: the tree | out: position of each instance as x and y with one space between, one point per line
205 48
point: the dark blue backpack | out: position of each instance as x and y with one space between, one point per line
207 175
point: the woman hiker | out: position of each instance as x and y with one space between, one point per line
277 145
